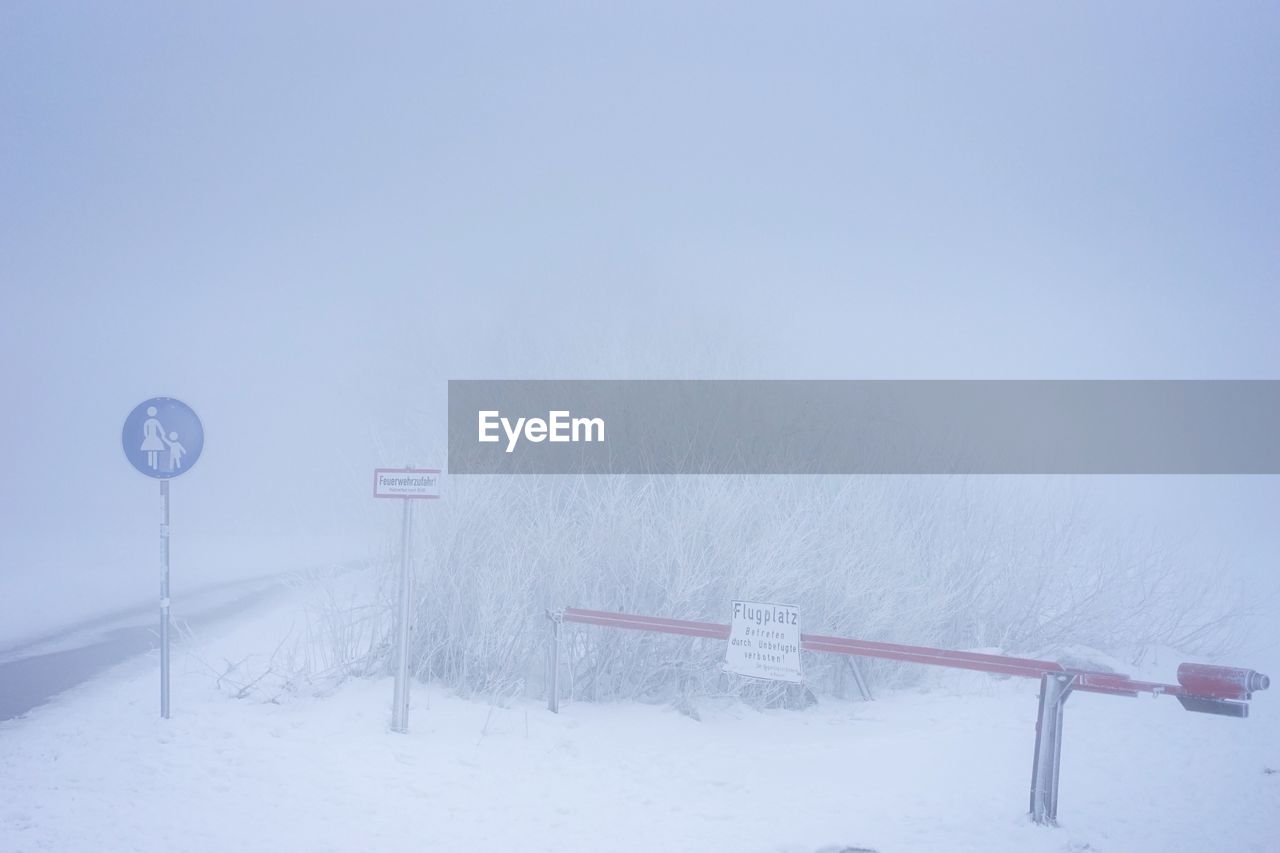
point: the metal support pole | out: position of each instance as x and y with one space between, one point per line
861 683
164 599
400 701
553 664
1055 688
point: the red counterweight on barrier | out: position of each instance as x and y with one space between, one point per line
1223 690
1221 682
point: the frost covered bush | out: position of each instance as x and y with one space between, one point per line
1012 564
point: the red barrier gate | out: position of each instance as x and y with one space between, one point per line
1201 688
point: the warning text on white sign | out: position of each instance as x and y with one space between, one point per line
764 641
406 483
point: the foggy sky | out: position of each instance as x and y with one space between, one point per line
302 220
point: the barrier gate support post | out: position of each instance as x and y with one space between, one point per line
1055 688
861 683
553 664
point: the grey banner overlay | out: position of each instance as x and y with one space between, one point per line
877 427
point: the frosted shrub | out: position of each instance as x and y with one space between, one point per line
955 562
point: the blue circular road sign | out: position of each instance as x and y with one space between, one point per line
162 438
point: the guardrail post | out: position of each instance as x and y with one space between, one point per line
858 680
553 662
1055 687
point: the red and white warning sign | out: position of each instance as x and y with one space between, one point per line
406 483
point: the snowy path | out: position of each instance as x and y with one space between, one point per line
942 770
35 672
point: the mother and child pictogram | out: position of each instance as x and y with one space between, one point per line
161 449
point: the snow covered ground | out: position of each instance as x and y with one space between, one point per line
942 769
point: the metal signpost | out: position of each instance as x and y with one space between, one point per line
405 484
163 438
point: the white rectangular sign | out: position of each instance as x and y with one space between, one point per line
764 641
406 483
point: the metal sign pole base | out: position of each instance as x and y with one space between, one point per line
164 599
400 700
859 681
1055 688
